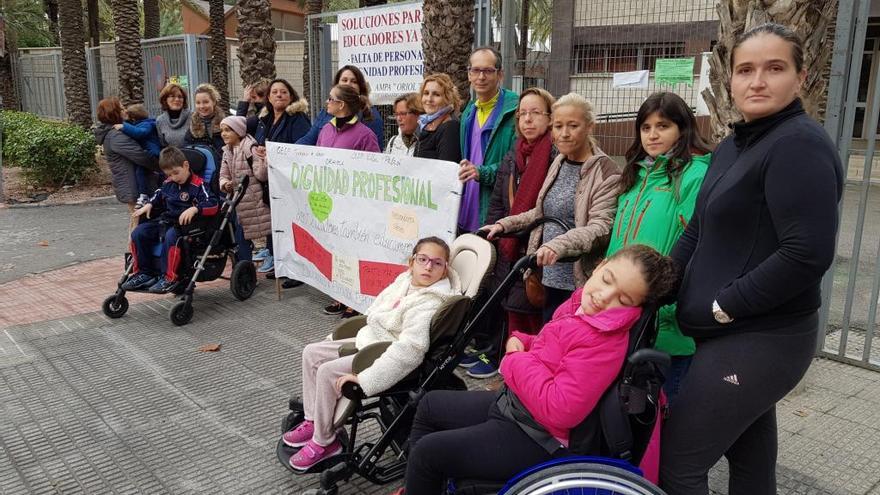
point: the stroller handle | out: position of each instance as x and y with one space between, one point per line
527 230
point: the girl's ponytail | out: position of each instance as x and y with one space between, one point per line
366 109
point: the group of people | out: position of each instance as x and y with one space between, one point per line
730 244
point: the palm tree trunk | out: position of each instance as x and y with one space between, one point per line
312 7
51 7
129 55
256 42
219 70
812 20
94 22
151 19
523 37
371 3
447 37
8 49
73 58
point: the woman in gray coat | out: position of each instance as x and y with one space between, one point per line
122 153
173 122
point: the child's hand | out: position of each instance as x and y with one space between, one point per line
228 186
187 215
118 127
546 256
514 345
142 210
342 380
260 151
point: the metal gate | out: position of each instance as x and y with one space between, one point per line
41 84
852 286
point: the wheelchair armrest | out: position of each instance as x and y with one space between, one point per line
347 349
650 356
367 356
349 328
352 391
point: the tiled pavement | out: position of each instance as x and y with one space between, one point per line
92 405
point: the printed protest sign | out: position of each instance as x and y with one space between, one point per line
386 44
672 71
345 222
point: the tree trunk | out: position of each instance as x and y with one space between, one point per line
152 23
256 42
371 3
813 20
312 7
447 37
129 56
73 62
8 92
218 59
94 22
51 7
523 37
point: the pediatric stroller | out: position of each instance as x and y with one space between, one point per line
215 240
394 409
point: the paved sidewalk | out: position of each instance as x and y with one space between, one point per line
93 405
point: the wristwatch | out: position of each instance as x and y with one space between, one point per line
720 315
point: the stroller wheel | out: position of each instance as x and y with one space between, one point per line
115 307
243 281
181 313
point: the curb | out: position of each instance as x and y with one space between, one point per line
49 205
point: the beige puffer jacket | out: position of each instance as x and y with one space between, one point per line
254 216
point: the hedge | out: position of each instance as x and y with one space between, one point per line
49 153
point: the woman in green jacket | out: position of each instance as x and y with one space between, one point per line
664 170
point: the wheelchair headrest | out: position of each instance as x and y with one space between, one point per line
204 162
472 258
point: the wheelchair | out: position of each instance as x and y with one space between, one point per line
206 246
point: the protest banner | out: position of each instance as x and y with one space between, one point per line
345 222
386 44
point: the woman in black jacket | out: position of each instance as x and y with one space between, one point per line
753 255
438 126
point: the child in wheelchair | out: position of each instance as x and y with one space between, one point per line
553 381
180 203
401 314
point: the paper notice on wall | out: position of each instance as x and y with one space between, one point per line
672 71
635 79
702 109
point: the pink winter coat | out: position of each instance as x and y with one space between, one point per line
565 369
253 214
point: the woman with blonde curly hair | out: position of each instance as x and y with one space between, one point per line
438 126
204 126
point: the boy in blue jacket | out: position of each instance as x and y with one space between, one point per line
182 197
141 128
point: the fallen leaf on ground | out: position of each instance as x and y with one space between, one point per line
43 243
801 413
209 348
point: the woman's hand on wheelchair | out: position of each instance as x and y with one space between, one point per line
342 380
187 215
492 230
546 256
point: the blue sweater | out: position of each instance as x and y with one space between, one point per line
144 132
376 125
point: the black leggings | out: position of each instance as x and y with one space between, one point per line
727 406
461 435
552 299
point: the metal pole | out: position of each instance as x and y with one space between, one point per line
192 68
327 68
508 41
61 108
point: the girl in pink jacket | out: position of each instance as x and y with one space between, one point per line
553 381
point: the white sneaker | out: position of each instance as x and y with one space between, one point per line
142 200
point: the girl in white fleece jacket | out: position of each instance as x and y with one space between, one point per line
401 314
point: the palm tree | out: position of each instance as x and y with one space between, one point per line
94 22
256 41
219 71
129 57
51 7
8 92
73 62
447 37
151 19
812 20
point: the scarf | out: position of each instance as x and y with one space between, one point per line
747 133
340 123
532 179
426 119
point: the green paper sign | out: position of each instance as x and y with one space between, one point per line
671 71
321 205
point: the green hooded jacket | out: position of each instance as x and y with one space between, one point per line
652 212
500 142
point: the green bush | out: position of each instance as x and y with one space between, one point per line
49 153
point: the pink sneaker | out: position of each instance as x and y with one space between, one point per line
313 453
300 435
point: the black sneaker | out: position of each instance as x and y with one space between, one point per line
335 308
291 283
163 286
139 281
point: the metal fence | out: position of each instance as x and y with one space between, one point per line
41 84
288 65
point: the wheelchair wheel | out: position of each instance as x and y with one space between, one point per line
115 307
583 478
181 313
243 281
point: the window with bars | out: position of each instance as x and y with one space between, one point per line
622 58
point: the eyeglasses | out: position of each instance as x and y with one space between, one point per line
480 71
530 113
424 260
333 100
175 97
401 115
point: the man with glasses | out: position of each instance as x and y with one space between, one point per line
487 134
407 109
